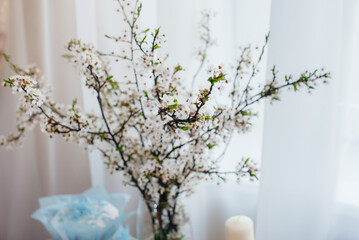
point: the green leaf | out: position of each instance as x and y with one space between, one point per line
204 56
216 79
179 68
8 81
253 175
102 136
211 80
146 93
172 107
20 129
108 163
222 178
109 77
245 113
7 58
267 36
114 85
120 149
276 98
210 146
185 128
173 89
155 47
246 161
295 87
139 9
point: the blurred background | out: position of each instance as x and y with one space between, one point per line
307 144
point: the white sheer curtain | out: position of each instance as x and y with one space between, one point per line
37 33
310 149
308 143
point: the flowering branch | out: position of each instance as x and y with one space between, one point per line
206 39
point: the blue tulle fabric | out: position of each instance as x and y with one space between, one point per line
94 214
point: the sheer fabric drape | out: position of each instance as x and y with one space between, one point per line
310 147
37 32
4 6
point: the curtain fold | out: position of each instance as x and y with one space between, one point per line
4 8
345 217
310 159
37 33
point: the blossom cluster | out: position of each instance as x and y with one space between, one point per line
27 85
83 56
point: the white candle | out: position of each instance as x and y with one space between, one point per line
239 228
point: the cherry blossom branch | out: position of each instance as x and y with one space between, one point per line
308 79
207 44
254 69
